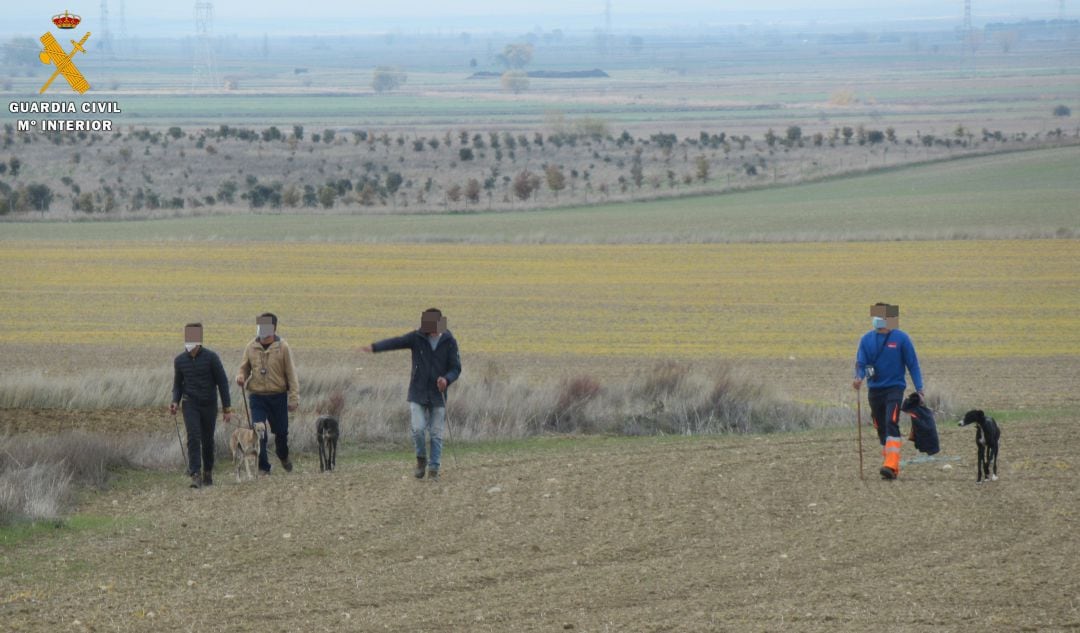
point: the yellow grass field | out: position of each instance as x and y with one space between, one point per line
968 299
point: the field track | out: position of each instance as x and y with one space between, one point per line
763 533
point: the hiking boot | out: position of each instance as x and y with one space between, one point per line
887 473
433 475
207 479
421 465
287 465
196 481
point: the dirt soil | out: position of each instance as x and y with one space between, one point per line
753 533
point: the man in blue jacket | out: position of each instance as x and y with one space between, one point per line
436 364
884 357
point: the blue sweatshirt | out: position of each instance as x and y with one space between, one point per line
897 353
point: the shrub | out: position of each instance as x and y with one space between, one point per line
573 395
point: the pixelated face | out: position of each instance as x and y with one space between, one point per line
266 327
429 322
193 334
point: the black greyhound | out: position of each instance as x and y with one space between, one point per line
986 437
326 430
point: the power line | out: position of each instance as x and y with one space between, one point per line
203 74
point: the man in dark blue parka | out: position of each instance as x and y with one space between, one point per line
436 364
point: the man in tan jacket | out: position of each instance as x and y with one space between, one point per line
273 391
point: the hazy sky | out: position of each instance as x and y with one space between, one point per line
283 16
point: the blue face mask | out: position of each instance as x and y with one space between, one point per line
877 323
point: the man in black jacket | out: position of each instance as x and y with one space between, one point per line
436 364
196 374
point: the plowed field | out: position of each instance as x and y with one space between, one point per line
761 533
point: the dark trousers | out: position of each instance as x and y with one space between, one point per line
885 410
200 422
273 408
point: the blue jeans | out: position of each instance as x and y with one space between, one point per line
273 408
432 420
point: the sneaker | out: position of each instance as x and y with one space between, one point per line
207 479
287 465
264 473
433 475
887 473
196 481
421 465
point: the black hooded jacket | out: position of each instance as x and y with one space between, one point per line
427 364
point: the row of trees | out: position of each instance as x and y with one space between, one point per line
599 162
29 197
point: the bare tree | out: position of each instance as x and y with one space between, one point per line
702 168
472 190
525 184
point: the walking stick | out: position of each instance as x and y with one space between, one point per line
858 423
176 424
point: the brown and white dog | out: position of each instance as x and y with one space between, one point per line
245 444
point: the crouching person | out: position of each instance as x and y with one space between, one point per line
197 373
436 364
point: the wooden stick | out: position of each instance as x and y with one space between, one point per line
858 423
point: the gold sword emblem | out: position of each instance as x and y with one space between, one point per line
54 53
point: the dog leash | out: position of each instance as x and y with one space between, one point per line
243 390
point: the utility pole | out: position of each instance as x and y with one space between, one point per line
106 37
203 74
968 34
123 23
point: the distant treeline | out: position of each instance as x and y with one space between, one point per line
548 74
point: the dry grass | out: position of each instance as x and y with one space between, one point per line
40 474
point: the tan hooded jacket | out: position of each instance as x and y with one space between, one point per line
269 371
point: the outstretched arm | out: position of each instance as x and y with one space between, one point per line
386 345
